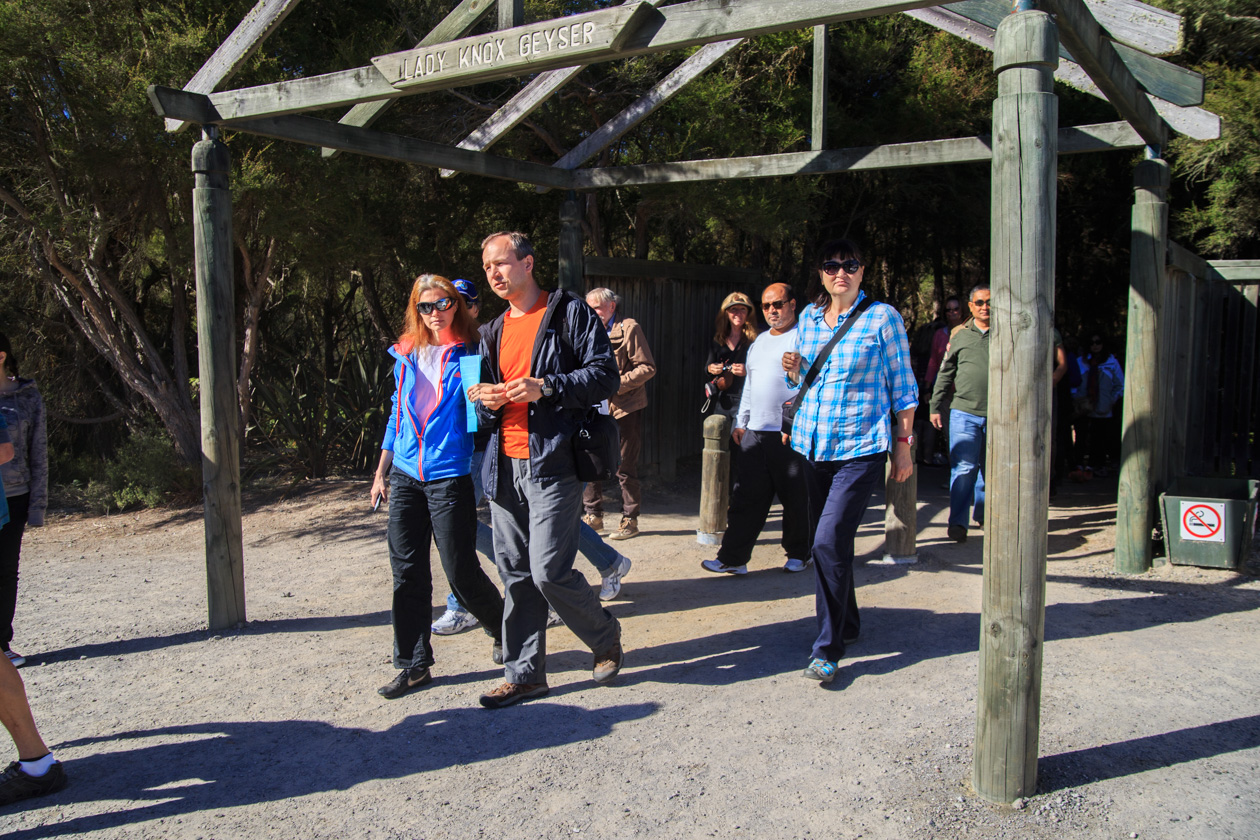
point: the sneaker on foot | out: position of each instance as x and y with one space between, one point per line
16 658
957 533
608 663
553 618
629 528
407 680
594 520
721 568
509 693
16 784
794 565
496 653
821 669
454 621
611 587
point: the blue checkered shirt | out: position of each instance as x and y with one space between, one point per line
864 381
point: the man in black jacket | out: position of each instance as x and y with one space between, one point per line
545 361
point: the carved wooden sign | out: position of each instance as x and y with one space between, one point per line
576 39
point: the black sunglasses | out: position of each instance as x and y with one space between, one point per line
774 304
440 305
849 266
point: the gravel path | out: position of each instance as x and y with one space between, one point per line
1150 712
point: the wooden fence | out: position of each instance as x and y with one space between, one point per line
1211 355
677 316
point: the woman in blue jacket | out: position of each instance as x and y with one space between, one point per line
423 474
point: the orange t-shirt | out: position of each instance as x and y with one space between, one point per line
516 347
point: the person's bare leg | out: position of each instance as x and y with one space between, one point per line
15 714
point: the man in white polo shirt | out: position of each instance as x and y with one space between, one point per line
766 464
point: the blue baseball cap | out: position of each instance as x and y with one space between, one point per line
467 289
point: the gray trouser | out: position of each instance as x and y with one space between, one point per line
535 543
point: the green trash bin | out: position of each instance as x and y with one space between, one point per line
1208 521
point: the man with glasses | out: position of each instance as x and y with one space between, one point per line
767 465
966 368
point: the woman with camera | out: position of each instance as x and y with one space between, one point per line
423 474
735 330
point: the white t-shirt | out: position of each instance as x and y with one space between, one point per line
765 388
428 384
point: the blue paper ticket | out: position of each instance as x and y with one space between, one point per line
470 373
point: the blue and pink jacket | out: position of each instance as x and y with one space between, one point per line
438 445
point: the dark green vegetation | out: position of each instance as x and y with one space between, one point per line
96 239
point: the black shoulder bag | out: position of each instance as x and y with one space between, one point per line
597 441
791 406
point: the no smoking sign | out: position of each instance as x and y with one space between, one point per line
1203 521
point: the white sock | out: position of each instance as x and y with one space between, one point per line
38 766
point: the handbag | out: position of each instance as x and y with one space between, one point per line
597 447
793 405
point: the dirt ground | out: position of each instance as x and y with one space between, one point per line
1150 719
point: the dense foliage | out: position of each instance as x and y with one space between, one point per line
95 234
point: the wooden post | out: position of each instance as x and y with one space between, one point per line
715 479
511 13
1017 473
818 125
220 414
901 503
1136 508
572 272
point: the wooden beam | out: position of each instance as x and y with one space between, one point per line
511 13
1158 77
625 267
1237 272
196 108
1082 35
818 106
520 106
682 25
1187 261
1144 27
1192 122
1077 140
457 24
662 92
244 41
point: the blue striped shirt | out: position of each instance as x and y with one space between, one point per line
864 381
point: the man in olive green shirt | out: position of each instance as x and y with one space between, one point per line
966 370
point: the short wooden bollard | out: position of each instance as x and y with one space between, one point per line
715 480
901 514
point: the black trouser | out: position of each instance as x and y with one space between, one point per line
10 548
443 508
768 466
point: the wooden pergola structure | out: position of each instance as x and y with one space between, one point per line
1108 48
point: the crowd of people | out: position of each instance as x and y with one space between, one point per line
819 402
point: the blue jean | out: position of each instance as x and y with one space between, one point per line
968 434
591 545
844 489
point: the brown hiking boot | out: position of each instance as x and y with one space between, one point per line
594 520
509 693
629 528
608 664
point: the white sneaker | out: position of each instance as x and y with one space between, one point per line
19 660
721 568
454 621
611 587
553 618
794 565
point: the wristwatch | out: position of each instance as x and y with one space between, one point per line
909 440
547 390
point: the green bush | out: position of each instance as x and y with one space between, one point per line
144 472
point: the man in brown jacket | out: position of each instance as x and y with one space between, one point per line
636 365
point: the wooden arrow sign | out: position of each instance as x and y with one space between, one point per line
576 39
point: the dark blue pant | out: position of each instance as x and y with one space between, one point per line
10 549
443 508
844 489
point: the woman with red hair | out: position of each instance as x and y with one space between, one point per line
423 474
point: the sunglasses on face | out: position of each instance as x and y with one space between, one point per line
773 304
438 305
981 302
833 267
